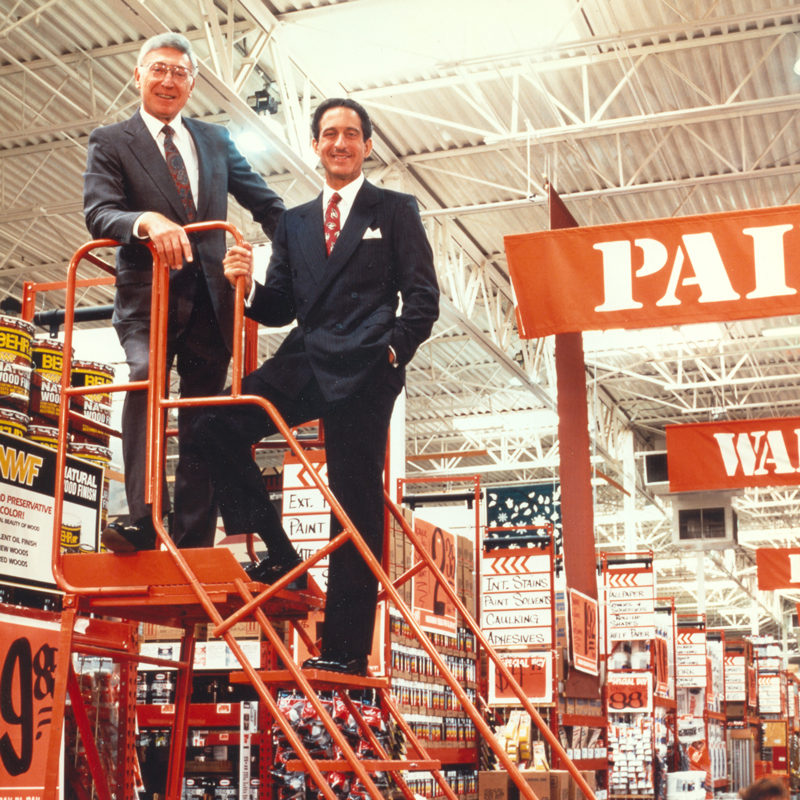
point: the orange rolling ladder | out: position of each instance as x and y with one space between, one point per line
182 588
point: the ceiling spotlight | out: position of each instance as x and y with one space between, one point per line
263 101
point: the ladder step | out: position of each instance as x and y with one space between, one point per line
295 765
282 679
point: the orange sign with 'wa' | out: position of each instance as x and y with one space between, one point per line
707 268
734 455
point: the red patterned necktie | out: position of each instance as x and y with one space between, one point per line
177 169
332 222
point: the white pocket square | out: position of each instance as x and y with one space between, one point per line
372 234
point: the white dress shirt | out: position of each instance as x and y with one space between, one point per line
186 147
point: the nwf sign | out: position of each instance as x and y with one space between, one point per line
708 268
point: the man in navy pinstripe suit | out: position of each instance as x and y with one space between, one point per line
343 363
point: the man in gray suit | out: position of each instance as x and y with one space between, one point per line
339 265
145 178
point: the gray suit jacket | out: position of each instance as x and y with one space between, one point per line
346 305
126 174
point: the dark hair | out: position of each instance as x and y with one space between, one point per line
765 789
341 102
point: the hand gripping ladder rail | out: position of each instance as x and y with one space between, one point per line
185 587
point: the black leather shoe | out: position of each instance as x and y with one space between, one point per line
120 538
336 663
266 572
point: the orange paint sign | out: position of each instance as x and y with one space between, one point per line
706 268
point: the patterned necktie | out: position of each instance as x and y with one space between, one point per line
332 222
177 169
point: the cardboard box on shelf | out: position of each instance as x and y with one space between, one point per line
574 791
498 785
559 784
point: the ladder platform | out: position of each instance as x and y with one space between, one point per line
319 679
148 586
370 765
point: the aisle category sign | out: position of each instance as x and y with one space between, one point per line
630 604
770 694
517 598
692 669
735 679
306 513
28 660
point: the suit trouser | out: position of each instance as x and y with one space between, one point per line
202 359
356 431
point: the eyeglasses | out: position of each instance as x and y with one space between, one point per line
160 71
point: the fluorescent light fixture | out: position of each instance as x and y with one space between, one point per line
785 332
509 421
797 60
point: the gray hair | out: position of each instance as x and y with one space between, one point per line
175 41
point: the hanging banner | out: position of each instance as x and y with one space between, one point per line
630 603
690 649
630 693
517 598
533 672
734 455
28 658
584 632
778 568
432 607
653 273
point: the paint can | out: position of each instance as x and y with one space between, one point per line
15 386
90 373
43 434
13 422
15 340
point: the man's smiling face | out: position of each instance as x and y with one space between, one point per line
341 146
164 97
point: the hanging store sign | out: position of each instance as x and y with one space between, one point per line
584 632
735 679
770 694
706 268
630 693
778 568
533 673
433 608
690 653
630 603
734 455
517 598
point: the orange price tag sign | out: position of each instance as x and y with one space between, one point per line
630 693
432 607
533 673
28 658
583 612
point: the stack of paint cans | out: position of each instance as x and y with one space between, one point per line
87 440
15 374
48 364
